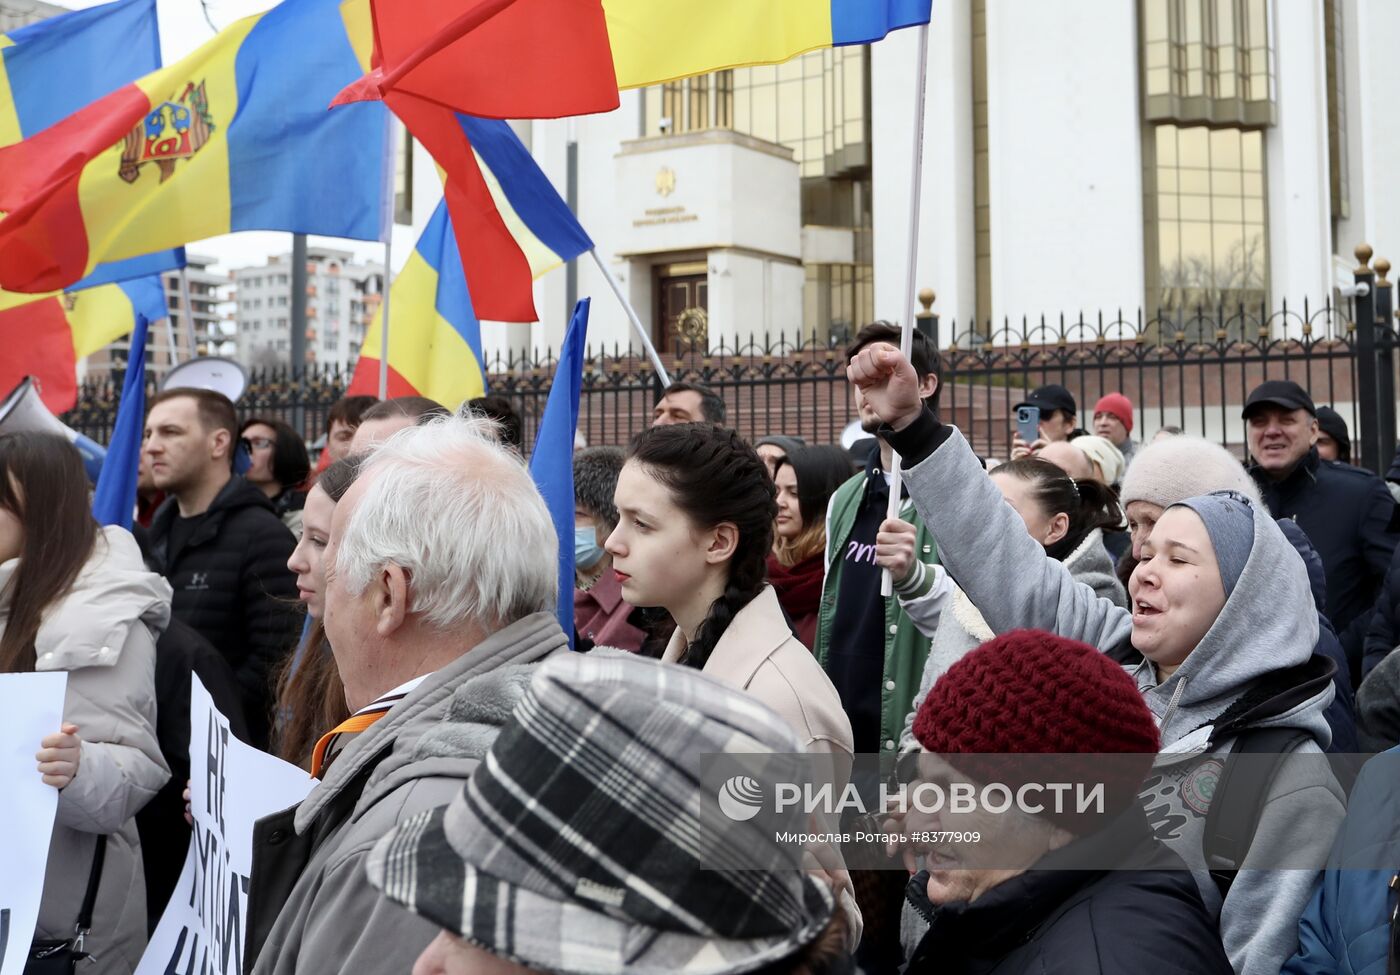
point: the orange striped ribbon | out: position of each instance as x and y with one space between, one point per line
351 725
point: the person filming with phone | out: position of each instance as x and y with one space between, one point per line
1046 416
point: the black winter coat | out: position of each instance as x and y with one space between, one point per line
1383 635
1049 921
232 584
165 835
1346 513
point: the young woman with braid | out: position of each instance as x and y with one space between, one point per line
696 509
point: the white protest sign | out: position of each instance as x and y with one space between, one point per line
232 785
31 707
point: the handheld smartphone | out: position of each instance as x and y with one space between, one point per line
1028 423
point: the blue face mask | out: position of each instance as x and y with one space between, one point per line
586 550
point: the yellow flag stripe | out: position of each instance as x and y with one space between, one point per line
424 348
661 40
10 132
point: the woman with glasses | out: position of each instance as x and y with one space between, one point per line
280 466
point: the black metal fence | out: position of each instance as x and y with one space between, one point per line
1189 371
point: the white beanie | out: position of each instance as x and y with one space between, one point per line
1101 452
1176 468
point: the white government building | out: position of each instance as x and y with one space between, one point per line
1079 155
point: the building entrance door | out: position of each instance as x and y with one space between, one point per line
682 300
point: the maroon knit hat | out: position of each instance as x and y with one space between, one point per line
1031 692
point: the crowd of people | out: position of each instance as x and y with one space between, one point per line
496 795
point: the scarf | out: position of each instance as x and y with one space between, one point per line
799 587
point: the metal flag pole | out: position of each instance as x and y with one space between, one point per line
906 337
636 321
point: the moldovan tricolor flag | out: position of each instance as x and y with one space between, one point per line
52 68
46 337
235 136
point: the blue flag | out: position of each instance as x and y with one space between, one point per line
114 500
552 461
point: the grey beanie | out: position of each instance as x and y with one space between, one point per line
1170 471
1229 519
783 441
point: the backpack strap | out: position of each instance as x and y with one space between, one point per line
1240 795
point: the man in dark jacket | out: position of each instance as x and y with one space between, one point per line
221 546
1344 510
180 654
1044 888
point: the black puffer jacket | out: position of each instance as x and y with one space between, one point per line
1144 921
180 652
232 584
1346 513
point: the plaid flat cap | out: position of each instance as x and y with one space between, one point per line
586 843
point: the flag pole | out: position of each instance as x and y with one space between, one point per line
633 318
906 336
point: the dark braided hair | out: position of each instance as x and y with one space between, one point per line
715 477
1089 504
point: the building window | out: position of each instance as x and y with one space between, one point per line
1206 217
818 105
1207 61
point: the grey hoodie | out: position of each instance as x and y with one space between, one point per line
1268 626
957 628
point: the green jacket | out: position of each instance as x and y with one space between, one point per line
905 647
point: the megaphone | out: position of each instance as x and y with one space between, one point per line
24 410
210 372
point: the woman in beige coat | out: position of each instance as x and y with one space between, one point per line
77 598
696 508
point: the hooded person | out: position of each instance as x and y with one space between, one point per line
582 846
1048 889
1172 470
1224 617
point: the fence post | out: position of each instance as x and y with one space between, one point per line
1385 365
1368 439
926 321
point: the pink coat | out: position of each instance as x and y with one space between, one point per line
600 615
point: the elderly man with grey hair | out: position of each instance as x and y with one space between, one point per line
441 590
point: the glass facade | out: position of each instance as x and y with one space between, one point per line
1207 61
818 105
1207 217
1208 98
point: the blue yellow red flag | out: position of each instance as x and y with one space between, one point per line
434 335
511 224
45 338
52 68
233 137
655 41
493 58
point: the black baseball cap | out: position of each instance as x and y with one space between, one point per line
1051 397
1279 392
